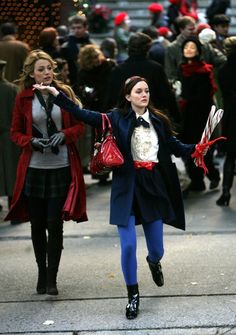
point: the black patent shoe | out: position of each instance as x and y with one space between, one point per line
42 282
132 307
224 199
156 272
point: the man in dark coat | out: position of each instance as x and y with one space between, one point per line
138 64
9 152
77 37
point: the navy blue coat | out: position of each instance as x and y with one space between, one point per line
123 179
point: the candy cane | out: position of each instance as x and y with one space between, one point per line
214 118
202 147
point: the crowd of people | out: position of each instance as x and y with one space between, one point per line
169 74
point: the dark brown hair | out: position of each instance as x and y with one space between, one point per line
124 105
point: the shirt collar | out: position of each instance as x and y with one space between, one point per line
145 116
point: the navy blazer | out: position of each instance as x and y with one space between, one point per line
123 179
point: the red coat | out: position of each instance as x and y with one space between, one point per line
21 133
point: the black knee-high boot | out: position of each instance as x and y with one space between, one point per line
55 245
228 177
132 307
39 240
156 272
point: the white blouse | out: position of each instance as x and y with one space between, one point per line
144 142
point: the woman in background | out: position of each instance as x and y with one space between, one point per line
49 186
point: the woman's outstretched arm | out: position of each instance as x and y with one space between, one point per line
87 116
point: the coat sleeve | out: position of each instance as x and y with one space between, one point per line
92 118
18 126
178 148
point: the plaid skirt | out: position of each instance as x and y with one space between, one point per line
47 183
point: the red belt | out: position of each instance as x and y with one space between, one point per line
144 165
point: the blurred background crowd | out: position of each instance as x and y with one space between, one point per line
98 45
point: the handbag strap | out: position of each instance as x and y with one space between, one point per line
106 123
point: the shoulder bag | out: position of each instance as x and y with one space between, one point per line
106 155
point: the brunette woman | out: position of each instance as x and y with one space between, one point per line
145 190
49 185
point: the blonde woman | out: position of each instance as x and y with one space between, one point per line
49 186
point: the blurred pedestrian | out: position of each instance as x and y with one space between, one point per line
48 42
94 74
157 49
122 34
220 24
173 54
198 88
145 190
62 33
9 152
49 186
109 48
63 70
138 63
157 17
78 37
217 7
14 52
227 82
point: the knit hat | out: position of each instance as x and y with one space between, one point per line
120 18
155 7
207 35
202 26
163 31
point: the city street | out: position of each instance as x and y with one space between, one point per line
199 265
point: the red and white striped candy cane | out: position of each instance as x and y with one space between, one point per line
201 148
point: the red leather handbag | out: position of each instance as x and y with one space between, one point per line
106 155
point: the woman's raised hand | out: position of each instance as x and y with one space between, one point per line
50 89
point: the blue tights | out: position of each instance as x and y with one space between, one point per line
154 239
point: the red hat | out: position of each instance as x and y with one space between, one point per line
120 18
174 2
202 26
163 31
155 7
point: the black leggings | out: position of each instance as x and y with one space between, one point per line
45 215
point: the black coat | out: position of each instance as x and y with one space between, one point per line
97 80
197 97
227 82
160 92
123 181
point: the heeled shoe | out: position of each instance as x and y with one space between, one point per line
132 308
156 272
224 199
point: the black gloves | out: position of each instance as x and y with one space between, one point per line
57 139
40 143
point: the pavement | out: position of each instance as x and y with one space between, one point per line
199 265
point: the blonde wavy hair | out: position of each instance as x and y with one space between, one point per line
90 56
26 81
